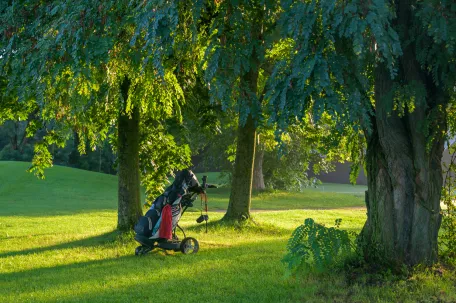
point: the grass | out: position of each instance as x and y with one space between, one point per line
325 196
58 243
69 191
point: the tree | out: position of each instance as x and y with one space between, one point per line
258 177
92 65
236 62
305 148
17 147
386 69
206 128
14 119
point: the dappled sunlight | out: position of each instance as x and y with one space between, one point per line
80 258
352 219
26 196
206 276
30 232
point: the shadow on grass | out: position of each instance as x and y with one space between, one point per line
242 273
209 275
243 228
27 209
86 242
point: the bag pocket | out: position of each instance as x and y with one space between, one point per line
144 226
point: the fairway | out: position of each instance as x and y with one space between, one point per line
58 243
68 191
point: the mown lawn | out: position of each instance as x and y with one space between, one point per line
58 244
69 191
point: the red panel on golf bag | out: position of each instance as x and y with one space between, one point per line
166 226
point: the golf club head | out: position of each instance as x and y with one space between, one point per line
202 218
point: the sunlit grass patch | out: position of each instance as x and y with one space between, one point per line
60 244
83 259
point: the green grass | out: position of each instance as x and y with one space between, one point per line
58 244
325 196
68 191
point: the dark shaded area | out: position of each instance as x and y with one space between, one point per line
341 175
86 242
16 146
100 271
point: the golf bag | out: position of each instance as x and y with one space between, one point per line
164 214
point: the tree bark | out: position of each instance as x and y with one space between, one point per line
14 137
129 202
258 178
241 187
404 188
403 163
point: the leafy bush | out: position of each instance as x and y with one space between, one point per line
315 244
447 238
305 151
8 153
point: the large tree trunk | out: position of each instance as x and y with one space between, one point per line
403 165
258 178
128 150
404 187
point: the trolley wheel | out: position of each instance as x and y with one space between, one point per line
189 246
138 251
142 250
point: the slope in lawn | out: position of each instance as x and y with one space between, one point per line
68 190
63 191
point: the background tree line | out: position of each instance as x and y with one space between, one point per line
16 146
212 149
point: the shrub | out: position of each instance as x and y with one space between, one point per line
314 244
447 238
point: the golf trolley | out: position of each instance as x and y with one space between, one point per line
148 228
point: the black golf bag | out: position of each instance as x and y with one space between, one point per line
149 225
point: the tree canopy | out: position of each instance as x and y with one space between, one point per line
386 69
67 60
376 76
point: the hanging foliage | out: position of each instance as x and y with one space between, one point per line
67 60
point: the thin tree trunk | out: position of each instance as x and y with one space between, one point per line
74 156
258 178
23 141
129 208
403 162
241 187
14 137
99 159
